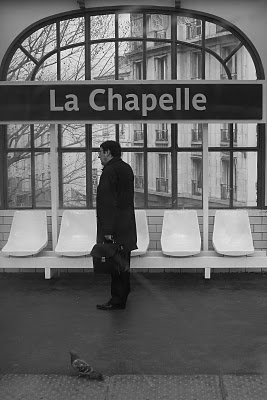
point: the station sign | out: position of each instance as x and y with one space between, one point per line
90 101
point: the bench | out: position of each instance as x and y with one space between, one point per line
177 229
152 260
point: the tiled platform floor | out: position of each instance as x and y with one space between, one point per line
133 387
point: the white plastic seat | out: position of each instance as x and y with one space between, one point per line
28 233
142 233
232 233
77 233
180 233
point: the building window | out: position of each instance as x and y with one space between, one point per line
196 70
197 133
161 68
166 158
197 176
162 179
139 171
138 70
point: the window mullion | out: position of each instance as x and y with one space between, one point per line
87 47
33 174
58 51
3 176
60 168
116 47
144 46
203 60
174 165
145 168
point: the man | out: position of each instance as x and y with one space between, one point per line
115 216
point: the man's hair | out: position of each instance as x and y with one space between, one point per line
113 147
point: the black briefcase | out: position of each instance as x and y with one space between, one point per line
108 257
103 254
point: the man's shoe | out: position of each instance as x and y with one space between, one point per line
108 306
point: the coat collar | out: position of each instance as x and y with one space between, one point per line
112 161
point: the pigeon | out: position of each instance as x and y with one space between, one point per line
83 368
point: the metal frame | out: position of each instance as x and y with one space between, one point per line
173 149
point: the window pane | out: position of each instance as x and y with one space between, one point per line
72 31
245 66
48 70
188 29
102 26
190 135
213 68
74 179
189 179
130 60
72 64
41 135
245 179
219 179
158 66
42 180
18 136
101 133
136 161
158 26
103 61
73 135
131 135
20 68
189 62
217 37
219 134
41 42
159 135
159 180
130 25
245 135
19 179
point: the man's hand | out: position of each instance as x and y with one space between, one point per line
109 237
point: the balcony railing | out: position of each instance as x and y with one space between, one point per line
159 35
161 135
196 189
225 192
162 185
225 76
138 135
197 135
139 182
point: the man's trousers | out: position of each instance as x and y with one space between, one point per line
120 285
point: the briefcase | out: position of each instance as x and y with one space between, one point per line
108 257
103 254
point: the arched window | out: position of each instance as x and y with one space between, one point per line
149 44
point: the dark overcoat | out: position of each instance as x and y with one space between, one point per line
115 204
